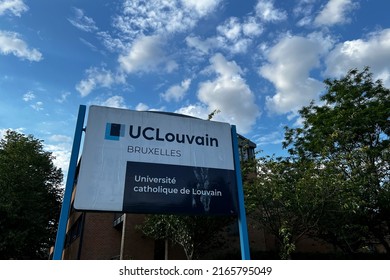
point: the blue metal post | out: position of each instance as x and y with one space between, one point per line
242 224
61 232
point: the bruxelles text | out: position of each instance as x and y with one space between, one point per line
153 151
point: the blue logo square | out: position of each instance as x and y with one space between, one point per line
114 131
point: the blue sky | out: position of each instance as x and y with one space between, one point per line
257 61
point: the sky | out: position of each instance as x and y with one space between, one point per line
256 61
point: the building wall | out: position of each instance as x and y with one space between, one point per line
100 240
136 246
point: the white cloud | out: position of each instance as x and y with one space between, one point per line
142 107
290 63
146 54
275 137
141 17
115 101
111 43
202 7
28 96
304 11
251 27
373 52
334 12
229 93
10 43
198 110
231 29
37 106
203 46
81 21
177 92
98 78
61 153
151 17
233 36
239 46
266 11
171 66
60 146
60 138
63 97
144 27
16 7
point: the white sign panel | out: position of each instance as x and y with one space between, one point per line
136 161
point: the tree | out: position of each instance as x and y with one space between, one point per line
289 197
335 183
349 133
192 233
30 197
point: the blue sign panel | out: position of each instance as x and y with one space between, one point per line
149 188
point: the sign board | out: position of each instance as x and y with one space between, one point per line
149 162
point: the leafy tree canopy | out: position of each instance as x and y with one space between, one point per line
30 197
350 133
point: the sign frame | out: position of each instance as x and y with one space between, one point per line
156 163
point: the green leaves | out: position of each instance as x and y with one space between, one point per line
30 197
